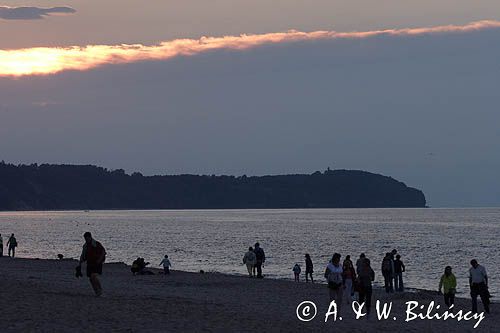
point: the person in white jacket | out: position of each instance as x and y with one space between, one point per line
250 260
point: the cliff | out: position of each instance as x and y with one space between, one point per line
67 187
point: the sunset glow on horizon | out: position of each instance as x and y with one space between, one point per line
52 60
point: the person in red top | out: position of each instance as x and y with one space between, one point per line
94 254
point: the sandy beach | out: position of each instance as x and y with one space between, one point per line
44 295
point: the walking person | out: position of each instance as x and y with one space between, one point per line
334 277
448 283
296 272
250 260
309 268
260 259
478 280
366 276
349 275
94 254
12 244
387 272
399 268
1 245
166 265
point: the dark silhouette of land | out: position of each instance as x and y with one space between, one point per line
66 187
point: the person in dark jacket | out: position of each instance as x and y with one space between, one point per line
309 268
260 257
399 268
387 272
12 244
365 277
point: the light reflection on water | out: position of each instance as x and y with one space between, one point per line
215 240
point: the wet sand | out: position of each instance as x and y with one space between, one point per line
45 296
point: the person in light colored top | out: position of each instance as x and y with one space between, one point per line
166 265
449 283
334 277
478 280
250 259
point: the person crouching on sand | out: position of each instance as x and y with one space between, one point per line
449 283
296 272
250 260
94 254
166 265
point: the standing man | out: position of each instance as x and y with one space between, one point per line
478 281
1 246
260 257
12 244
94 254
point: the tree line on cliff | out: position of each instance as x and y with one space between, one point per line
68 187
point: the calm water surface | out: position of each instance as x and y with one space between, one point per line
216 240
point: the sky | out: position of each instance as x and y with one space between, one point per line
408 89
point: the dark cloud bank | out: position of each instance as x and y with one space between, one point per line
31 13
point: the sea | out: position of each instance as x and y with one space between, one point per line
427 239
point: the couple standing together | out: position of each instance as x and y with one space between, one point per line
254 259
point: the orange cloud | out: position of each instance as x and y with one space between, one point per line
46 60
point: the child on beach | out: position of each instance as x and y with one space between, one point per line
166 265
296 271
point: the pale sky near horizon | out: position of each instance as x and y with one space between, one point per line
421 107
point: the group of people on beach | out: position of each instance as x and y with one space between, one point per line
11 245
345 280
342 279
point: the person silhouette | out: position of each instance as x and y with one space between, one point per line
12 244
309 268
478 281
94 254
260 259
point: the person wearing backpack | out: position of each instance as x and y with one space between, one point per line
387 272
94 254
335 279
296 272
